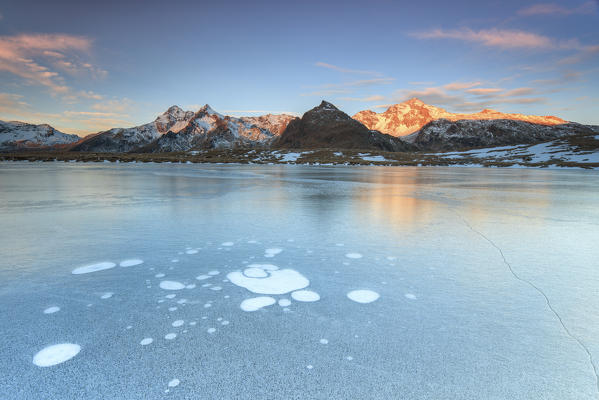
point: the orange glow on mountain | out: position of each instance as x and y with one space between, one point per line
410 116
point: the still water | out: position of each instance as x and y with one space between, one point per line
215 281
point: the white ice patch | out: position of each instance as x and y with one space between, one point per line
146 341
410 296
227 244
171 285
202 277
131 262
305 296
216 288
284 302
56 354
51 310
161 275
170 336
363 296
272 252
178 323
353 255
213 272
190 286
211 330
278 281
324 341
174 383
106 295
86 269
255 273
170 296
193 251
256 303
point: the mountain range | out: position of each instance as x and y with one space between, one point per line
408 126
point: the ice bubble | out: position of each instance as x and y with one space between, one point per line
192 323
106 295
410 296
363 296
172 309
86 269
277 282
146 341
181 301
213 272
284 302
216 288
56 354
160 275
272 252
174 383
225 322
255 273
51 310
170 296
256 303
252 241
391 258
193 251
349 358
190 286
207 305
131 262
170 336
353 255
305 296
171 285
227 244
175 260
309 366
324 341
339 244
207 285
211 330
178 323
202 277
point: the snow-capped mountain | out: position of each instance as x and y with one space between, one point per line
326 126
15 135
410 116
127 139
208 129
442 134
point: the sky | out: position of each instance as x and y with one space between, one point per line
86 66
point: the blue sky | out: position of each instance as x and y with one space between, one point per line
89 66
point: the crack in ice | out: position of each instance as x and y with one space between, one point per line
542 293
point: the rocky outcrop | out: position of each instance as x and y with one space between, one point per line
327 127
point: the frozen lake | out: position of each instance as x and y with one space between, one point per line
163 281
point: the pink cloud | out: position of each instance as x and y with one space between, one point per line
588 7
460 85
502 38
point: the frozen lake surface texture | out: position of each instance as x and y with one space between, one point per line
130 281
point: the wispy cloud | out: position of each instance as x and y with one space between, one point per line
589 7
31 56
501 38
376 97
346 70
586 53
460 85
484 91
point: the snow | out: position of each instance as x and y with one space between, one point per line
277 282
171 285
56 354
131 262
368 157
363 296
305 296
256 303
86 269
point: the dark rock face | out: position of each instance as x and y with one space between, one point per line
441 135
326 126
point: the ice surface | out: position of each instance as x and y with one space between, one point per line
213 272
202 277
353 255
160 275
51 310
363 296
227 244
211 330
178 323
324 341
107 295
146 341
410 296
56 354
170 336
86 269
305 296
272 252
131 262
192 251
284 302
171 285
174 383
256 303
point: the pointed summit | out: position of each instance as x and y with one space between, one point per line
327 106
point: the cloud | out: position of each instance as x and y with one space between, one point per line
114 105
346 70
376 97
10 102
501 38
588 7
484 91
586 53
29 56
460 85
